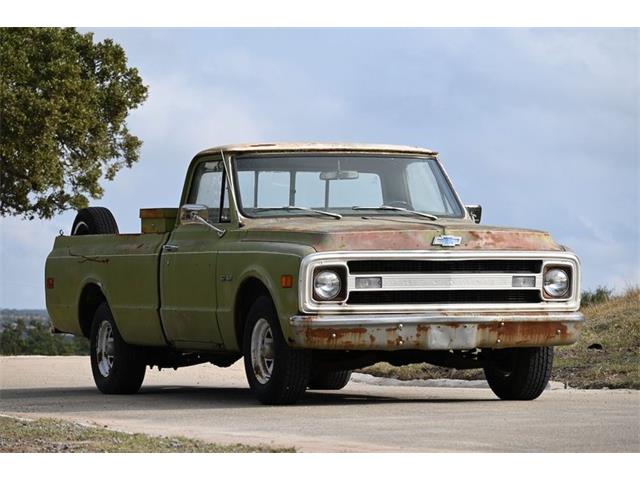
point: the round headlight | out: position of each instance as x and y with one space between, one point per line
556 282
327 285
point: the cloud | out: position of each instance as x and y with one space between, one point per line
541 126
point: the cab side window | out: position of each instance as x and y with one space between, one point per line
209 187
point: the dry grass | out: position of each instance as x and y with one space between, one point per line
57 436
613 324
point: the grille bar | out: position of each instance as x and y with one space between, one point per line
443 296
444 281
445 266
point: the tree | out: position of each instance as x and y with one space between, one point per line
25 337
12 338
64 102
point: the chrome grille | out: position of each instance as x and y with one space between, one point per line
445 266
443 296
419 281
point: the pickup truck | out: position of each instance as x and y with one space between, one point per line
310 261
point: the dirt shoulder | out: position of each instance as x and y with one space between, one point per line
606 356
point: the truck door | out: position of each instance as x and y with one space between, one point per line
188 265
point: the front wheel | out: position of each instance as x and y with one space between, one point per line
277 374
520 373
116 366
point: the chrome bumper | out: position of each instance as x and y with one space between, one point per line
434 331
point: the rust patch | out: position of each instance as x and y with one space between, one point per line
440 336
376 240
506 240
345 337
502 334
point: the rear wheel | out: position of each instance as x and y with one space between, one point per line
330 380
94 221
277 374
116 366
520 373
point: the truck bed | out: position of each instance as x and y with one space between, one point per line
125 266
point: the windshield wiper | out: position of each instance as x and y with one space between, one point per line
337 216
397 209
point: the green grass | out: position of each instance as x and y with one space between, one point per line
612 322
53 436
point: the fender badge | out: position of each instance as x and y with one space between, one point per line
447 241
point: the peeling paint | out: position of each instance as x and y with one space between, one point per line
405 234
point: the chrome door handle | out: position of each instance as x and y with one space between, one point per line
170 248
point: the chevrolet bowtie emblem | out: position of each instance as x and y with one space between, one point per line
447 241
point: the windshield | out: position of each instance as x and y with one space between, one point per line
338 183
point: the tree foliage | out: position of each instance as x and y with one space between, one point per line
34 338
594 297
64 102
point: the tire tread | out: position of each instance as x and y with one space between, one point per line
324 380
99 220
530 373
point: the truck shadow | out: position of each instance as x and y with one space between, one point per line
158 398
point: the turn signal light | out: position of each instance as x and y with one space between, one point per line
49 283
286 281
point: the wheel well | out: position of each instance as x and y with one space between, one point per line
250 289
90 300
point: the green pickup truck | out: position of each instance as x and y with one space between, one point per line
311 260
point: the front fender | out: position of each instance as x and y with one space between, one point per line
266 263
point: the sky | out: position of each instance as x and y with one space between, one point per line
539 126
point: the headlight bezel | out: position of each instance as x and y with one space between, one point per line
341 274
567 293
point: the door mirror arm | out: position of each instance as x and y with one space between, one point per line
199 219
191 214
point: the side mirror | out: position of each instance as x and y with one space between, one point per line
198 214
190 211
475 211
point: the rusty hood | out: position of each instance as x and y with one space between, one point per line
394 233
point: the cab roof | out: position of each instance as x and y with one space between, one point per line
316 147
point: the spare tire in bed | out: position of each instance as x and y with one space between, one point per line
94 221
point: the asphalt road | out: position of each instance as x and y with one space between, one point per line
215 404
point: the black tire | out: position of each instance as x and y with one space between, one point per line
125 372
288 378
94 221
329 380
520 373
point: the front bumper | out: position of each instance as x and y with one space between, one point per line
434 331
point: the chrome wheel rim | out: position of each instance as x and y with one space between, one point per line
262 354
105 349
